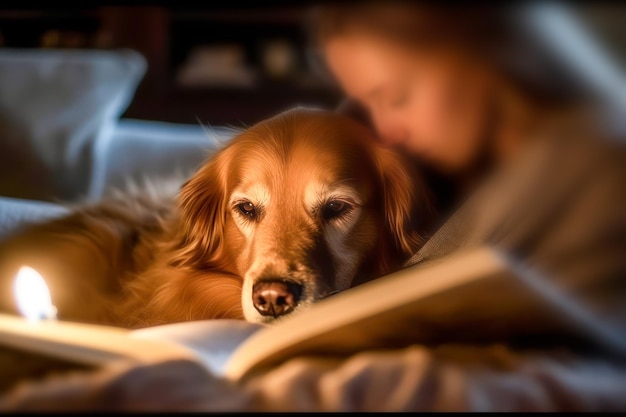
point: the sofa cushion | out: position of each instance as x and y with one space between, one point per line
55 105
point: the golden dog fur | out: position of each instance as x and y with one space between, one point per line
146 260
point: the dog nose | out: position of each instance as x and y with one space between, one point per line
275 298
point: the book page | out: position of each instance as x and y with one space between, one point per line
213 341
475 297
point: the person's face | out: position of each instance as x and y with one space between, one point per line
433 104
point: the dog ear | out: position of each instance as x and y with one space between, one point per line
202 202
405 201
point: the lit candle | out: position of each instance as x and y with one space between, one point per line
32 296
39 331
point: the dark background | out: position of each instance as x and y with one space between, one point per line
167 37
170 36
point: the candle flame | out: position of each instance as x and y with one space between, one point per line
32 295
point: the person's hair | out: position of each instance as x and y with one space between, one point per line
493 33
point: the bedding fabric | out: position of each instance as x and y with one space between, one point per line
15 213
572 226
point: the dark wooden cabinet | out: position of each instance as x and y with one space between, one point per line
217 65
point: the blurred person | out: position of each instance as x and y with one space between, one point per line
462 88
516 134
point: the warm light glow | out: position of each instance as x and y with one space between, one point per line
32 295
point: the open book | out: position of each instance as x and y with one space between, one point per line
477 296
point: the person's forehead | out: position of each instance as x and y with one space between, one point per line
364 65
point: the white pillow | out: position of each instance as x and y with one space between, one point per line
55 105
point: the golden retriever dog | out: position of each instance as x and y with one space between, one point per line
292 210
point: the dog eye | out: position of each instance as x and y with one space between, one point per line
247 209
335 209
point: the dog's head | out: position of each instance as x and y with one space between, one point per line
300 206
